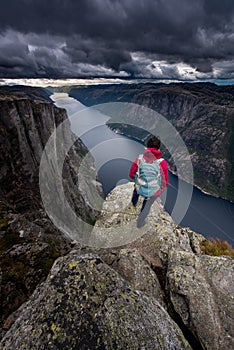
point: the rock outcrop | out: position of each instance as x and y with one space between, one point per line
84 304
201 289
156 292
203 114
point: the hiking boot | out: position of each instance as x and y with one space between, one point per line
140 223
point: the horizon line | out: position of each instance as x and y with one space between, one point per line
104 80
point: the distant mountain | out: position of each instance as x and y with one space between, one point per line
34 93
203 113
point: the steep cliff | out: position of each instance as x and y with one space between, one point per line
202 113
157 292
26 126
29 242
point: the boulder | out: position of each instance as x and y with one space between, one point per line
135 270
201 289
84 304
117 226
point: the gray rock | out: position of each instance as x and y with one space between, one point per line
172 248
24 266
117 226
84 304
26 125
202 291
135 270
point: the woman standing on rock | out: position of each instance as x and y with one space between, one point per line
150 173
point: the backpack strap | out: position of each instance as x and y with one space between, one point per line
140 158
159 160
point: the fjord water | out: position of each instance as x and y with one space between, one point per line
113 154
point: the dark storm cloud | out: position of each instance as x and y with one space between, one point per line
66 38
95 52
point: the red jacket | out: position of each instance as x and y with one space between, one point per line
150 154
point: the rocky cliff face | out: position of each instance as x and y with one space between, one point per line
29 242
157 292
25 128
202 113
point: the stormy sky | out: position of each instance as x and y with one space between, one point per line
163 39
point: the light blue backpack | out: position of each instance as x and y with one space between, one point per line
148 177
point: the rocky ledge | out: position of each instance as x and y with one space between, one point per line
156 292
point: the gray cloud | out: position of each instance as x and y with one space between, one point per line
98 37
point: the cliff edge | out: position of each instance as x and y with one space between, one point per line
156 292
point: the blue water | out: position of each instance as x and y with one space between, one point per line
113 153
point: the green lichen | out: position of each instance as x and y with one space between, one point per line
95 311
57 330
73 264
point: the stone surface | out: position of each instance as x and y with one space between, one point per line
202 291
26 125
188 279
0 281
117 226
84 304
131 266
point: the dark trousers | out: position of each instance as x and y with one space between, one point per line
145 209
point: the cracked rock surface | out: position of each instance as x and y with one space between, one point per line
84 304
